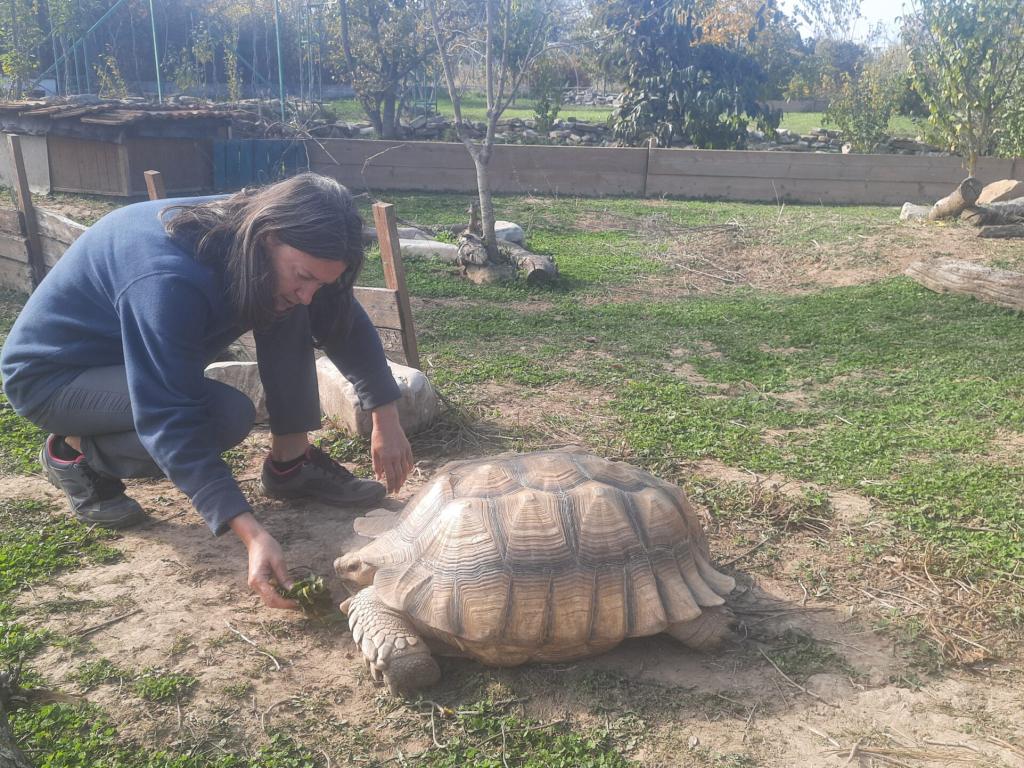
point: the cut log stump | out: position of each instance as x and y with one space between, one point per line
994 286
953 204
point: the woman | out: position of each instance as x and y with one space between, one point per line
109 353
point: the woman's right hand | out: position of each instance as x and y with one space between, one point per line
266 561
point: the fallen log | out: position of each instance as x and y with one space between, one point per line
1002 230
953 204
994 286
1008 212
536 267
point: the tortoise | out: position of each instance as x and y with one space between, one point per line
547 556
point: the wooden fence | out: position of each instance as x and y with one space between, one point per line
597 171
55 234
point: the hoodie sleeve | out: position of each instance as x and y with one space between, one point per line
163 317
359 356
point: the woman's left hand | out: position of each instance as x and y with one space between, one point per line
389 448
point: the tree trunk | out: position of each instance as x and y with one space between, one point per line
953 204
483 183
994 286
388 117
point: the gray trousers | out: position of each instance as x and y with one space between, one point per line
96 405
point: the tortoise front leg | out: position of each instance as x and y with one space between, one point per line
390 644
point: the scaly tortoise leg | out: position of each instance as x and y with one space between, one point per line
390 645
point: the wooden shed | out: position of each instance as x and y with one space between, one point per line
104 148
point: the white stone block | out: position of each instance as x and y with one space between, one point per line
911 212
430 249
510 231
245 377
418 407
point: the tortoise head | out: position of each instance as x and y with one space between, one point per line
354 571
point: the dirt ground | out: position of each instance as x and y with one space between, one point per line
178 601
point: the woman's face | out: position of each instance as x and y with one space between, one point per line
297 275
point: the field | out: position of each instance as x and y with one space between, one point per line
475 108
851 440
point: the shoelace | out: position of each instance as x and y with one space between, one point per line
320 459
106 487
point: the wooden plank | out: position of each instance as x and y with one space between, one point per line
123 170
386 221
389 153
57 227
84 165
381 304
155 185
36 264
10 221
14 247
15 275
185 164
798 165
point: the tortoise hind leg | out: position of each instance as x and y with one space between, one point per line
706 632
390 644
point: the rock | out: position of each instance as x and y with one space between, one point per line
847 148
510 231
418 122
1000 191
245 377
418 407
911 212
404 233
367 131
429 249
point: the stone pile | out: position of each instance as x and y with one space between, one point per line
262 120
589 97
825 140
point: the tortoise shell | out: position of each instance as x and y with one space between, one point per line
557 553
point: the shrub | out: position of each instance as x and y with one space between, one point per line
866 101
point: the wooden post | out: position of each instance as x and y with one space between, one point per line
386 221
155 185
651 144
28 212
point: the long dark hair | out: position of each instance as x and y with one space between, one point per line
312 213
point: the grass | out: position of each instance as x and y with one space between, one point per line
803 122
474 107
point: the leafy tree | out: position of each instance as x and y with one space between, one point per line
677 85
20 35
828 65
968 65
865 103
383 43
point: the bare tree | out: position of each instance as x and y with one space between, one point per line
508 37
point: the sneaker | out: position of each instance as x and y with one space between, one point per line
94 498
321 478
